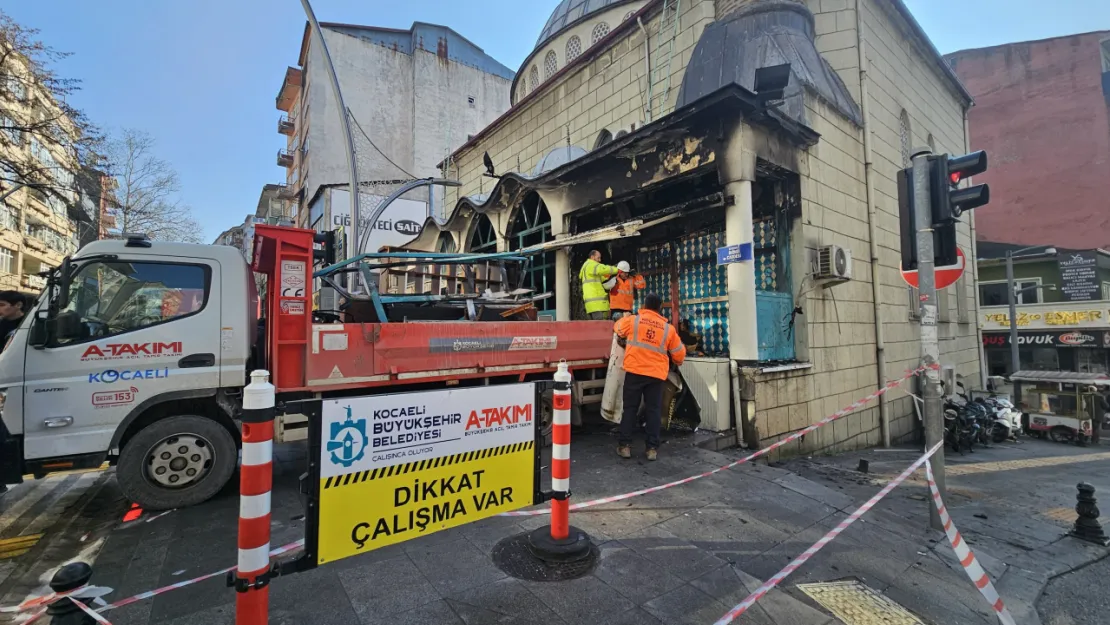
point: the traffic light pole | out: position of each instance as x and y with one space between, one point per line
933 409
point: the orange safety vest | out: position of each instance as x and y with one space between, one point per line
652 344
623 294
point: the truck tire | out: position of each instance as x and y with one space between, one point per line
177 462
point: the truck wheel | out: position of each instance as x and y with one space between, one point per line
1061 434
177 462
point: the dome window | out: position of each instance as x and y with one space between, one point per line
550 65
574 48
599 32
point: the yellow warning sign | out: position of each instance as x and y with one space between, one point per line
397 467
367 510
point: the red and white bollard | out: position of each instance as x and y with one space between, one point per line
560 542
252 576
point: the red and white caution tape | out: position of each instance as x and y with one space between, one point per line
46 600
762 452
967 559
826 539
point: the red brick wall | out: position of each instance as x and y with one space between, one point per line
1041 115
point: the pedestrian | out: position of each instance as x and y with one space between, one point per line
623 293
651 346
593 274
13 305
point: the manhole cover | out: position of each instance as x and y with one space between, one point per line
854 603
513 556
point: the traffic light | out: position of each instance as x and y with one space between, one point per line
948 203
326 255
946 173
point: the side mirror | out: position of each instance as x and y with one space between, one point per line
66 271
38 335
67 326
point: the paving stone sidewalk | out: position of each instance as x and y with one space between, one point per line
684 555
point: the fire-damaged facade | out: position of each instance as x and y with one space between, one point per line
653 136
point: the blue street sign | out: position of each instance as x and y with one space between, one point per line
734 254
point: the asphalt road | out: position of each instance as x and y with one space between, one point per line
1077 598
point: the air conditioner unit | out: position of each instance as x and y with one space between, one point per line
833 263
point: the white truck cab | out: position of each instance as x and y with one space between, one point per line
136 353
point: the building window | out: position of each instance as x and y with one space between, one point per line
907 138
602 138
550 65
574 48
1106 290
994 293
8 126
15 87
470 100
1105 45
599 33
7 260
534 78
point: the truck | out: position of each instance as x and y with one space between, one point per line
138 352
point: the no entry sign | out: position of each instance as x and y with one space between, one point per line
945 276
396 467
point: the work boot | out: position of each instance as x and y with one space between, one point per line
652 455
624 451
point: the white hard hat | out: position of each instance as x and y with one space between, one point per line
624 266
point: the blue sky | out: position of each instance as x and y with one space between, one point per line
201 75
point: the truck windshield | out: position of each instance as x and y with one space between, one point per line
112 297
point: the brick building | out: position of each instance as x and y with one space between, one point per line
1041 113
643 110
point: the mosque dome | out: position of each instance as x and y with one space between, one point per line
571 12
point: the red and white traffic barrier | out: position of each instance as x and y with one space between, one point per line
252 575
826 539
967 559
560 454
762 452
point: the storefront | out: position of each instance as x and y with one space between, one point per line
1051 337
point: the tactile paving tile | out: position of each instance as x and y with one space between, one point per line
854 603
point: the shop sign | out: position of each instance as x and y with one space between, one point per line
1079 276
1048 317
1079 338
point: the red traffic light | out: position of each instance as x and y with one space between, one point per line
955 178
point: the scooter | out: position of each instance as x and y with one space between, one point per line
1006 418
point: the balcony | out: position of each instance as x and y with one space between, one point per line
287 125
31 281
285 192
285 158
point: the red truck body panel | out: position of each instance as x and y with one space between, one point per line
357 355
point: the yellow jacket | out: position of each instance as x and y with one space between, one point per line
592 275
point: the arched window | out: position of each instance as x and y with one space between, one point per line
602 138
574 48
483 238
550 65
599 33
534 78
906 137
628 15
531 225
446 243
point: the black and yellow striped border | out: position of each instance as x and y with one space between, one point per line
420 465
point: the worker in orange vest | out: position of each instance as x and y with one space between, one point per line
623 293
651 345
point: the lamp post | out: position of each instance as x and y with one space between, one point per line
1012 293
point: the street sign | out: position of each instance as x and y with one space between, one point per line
396 467
946 276
734 254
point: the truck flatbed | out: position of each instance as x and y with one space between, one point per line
365 355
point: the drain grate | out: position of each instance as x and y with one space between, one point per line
513 556
855 603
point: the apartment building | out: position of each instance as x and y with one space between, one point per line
414 95
36 229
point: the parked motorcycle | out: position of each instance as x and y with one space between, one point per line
1006 419
961 425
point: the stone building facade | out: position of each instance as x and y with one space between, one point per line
655 126
1042 111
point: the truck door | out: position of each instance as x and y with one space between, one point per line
148 330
